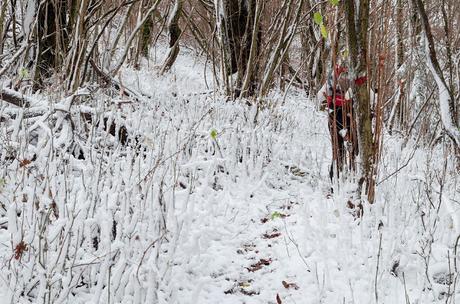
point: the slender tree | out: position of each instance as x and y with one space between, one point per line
239 30
174 35
46 40
446 97
357 29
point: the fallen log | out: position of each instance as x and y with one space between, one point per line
109 80
22 101
15 98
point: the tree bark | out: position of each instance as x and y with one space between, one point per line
3 24
46 41
249 80
174 35
358 48
399 109
240 39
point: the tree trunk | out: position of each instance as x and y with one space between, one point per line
399 109
286 35
174 34
53 34
79 42
358 47
446 98
146 37
253 38
46 42
240 35
3 24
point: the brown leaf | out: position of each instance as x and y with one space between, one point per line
278 299
254 268
259 265
290 285
55 209
19 250
357 209
24 163
271 236
264 220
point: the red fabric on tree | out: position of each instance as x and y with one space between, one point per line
341 69
339 101
360 80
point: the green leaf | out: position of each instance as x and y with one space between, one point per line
318 18
323 31
214 134
23 73
275 215
334 2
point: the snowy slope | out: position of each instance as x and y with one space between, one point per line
195 218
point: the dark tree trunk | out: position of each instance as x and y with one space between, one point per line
174 35
357 43
146 37
52 37
239 26
46 41
401 104
3 24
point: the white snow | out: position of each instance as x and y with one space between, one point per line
224 220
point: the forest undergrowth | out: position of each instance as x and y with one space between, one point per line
173 194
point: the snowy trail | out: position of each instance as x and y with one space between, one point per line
244 259
250 264
260 229
270 241
281 228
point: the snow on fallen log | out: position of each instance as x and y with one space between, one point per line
15 98
43 112
117 85
37 107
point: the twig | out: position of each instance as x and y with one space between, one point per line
400 168
298 249
145 252
405 289
377 269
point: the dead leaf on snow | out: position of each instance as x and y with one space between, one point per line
24 163
290 285
259 265
271 235
264 220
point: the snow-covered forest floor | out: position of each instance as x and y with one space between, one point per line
207 204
